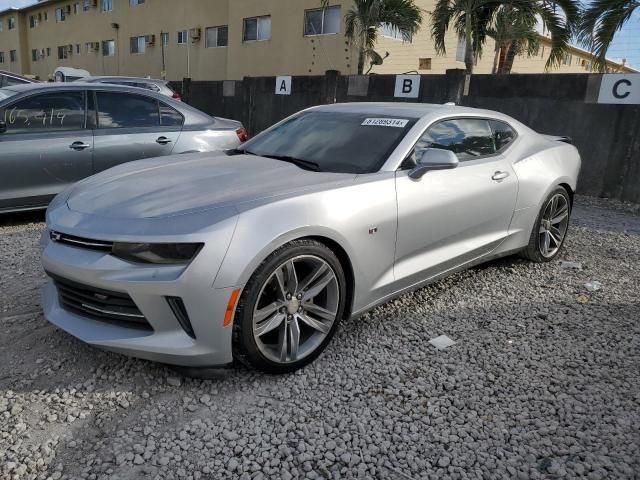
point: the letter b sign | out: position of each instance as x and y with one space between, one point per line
407 86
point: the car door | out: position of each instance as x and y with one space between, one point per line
450 217
46 146
132 126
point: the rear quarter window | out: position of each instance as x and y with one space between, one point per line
503 134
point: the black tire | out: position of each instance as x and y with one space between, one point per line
533 250
245 348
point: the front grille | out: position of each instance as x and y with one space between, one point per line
80 242
99 304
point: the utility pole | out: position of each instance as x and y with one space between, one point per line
163 75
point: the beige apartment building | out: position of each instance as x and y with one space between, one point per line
223 40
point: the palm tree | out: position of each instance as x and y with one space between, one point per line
514 35
364 19
473 19
600 22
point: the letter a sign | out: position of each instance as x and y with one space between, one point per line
283 85
407 86
620 88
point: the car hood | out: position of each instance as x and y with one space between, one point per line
183 184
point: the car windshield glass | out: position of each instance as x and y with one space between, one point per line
333 141
6 93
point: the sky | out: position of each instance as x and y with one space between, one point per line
626 44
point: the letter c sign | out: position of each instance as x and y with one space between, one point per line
407 86
620 88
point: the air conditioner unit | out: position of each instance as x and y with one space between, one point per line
195 34
150 40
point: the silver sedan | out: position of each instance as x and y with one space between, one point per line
257 254
52 135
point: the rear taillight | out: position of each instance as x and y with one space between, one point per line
242 134
176 96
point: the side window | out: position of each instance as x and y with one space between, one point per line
468 138
125 110
503 134
170 117
50 112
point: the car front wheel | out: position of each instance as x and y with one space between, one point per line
290 308
550 230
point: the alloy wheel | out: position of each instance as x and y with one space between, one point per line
296 309
553 225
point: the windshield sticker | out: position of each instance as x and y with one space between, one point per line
386 122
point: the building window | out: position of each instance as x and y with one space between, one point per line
86 5
183 37
138 45
34 55
136 2
567 59
164 38
106 5
78 48
62 52
48 52
1 57
60 16
76 8
322 21
108 48
424 64
390 31
217 37
13 56
46 16
12 23
33 21
257 29
0 25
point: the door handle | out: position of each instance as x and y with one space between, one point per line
163 140
79 146
497 176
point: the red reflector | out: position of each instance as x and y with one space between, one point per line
242 134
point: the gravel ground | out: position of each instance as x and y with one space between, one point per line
544 382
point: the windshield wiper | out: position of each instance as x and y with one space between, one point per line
306 164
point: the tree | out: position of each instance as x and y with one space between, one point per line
364 19
473 19
600 22
514 35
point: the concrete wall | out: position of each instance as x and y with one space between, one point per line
608 136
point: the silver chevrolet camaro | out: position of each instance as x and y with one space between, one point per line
257 253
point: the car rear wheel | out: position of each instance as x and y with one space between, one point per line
290 308
550 230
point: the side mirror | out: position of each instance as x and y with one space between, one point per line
3 126
433 159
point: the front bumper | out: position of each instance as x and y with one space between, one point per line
148 286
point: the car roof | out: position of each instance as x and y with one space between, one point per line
126 79
413 110
29 87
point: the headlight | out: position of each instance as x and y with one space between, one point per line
166 253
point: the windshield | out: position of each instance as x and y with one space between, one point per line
6 93
333 141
